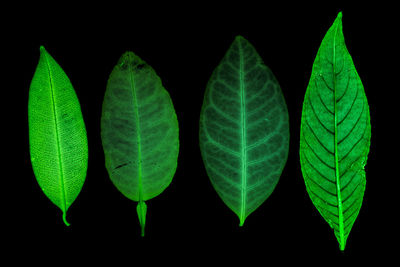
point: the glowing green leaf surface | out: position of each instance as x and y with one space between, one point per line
244 129
57 134
335 135
139 131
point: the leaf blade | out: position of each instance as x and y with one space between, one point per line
243 115
57 134
335 113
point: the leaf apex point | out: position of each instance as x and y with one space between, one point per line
240 38
42 49
339 16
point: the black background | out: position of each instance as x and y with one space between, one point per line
184 43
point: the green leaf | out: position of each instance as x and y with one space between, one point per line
335 135
139 131
244 129
57 134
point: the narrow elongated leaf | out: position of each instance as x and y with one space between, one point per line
244 129
335 135
57 134
139 131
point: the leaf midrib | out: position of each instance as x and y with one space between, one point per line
136 111
60 160
243 139
338 188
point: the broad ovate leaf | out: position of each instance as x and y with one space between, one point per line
57 134
335 135
139 131
244 129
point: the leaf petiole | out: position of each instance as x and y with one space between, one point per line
141 210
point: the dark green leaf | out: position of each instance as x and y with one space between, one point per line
244 129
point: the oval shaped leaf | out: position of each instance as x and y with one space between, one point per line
57 134
244 129
335 135
139 131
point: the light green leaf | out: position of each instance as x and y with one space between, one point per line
57 134
139 131
244 129
335 135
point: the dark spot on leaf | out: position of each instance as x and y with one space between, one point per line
140 66
122 165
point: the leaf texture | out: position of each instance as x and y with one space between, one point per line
139 131
335 135
57 134
244 129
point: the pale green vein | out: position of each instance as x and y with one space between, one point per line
243 140
263 160
260 93
221 146
260 141
222 113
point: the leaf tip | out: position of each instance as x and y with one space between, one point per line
129 58
240 42
42 49
128 54
239 37
339 17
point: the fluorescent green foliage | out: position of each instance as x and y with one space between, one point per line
244 129
57 134
139 131
335 135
